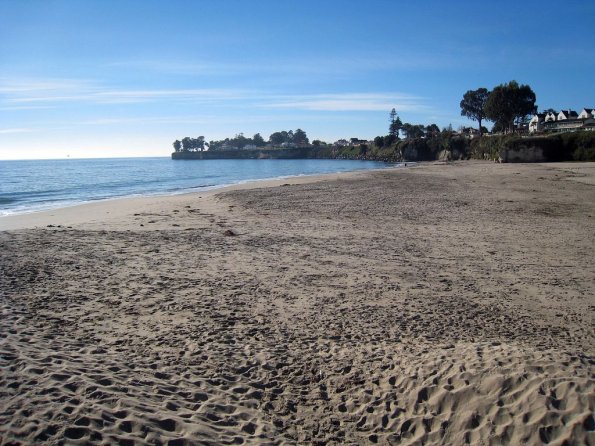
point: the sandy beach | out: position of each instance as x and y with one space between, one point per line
440 304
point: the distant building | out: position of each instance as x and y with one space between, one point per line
567 114
469 132
563 121
227 146
551 116
587 113
537 121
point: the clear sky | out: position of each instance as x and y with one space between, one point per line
102 78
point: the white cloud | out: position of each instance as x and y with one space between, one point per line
45 93
133 96
16 93
352 102
16 130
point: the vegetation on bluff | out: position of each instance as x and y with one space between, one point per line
577 146
507 105
289 138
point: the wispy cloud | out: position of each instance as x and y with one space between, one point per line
16 130
133 96
26 93
352 102
176 67
28 86
47 93
150 120
25 107
338 64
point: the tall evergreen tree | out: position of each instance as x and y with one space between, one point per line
395 124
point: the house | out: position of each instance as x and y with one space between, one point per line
228 146
250 147
564 125
551 116
468 132
567 114
563 121
536 122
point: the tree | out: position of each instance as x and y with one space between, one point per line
300 137
413 130
186 144
406 129
177 145
199 143
447 131
420 131
240 141
277 138
510 102
432 130
473 105
389 140
379 141
395 124
258 140
282 137
498 127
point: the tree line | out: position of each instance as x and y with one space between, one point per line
507 105
410 131
289 138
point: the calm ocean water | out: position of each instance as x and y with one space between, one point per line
34 185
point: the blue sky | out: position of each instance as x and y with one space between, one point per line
126 78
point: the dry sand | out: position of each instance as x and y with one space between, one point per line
443 304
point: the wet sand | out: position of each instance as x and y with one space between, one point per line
441 304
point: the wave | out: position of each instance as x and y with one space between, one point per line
7 200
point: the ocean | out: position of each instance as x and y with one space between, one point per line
36 185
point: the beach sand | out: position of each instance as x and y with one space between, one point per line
439 304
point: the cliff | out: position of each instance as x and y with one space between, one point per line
578 146
295 153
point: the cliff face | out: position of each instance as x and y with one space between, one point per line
579 146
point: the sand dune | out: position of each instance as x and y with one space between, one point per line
444 304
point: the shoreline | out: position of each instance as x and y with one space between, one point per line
118 207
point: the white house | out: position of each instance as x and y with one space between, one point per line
567 114
551 116
565 120
536 122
